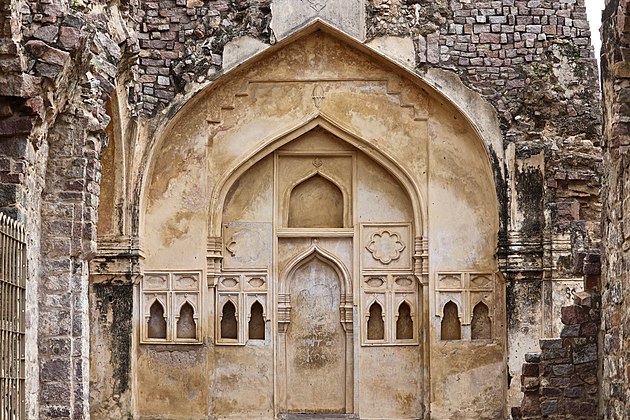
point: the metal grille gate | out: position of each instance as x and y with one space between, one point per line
12 301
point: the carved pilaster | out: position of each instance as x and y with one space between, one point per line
524 255
214 256
346 312
114 272
421 260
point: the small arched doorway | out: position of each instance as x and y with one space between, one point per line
315 340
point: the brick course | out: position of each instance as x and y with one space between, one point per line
561 380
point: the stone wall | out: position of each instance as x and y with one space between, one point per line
561 380
182 41
58 67
616 275
531 60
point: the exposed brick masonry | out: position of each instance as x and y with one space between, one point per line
616 276
182 41
561 381
59 63
58 68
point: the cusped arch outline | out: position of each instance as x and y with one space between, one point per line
486 128
304 257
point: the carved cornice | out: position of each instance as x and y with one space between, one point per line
117 259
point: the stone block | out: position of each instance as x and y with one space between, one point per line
574 315
69 38
490 38
55 370
551 343
548 408
530 369
532 357
574 392
585 354
46 33
562 370
16 125
589 329
570 331
50 71
52 392
583 299
46 53
551 392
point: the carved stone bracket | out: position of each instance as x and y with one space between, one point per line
421 260
346 313
284 311
117 260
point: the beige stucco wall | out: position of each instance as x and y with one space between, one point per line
419 160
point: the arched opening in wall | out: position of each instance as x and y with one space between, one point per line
256 322
451 326
316 203
157 322
375 324
481 325
404 323
315 340
186 326
112 180
228 321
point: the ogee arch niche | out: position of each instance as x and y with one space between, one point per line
315 344
257 219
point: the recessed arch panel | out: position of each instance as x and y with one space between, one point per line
382 112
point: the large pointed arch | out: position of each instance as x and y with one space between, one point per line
329 124
477 113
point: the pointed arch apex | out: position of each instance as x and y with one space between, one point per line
286 135
315 251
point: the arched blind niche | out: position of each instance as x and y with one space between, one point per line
316 203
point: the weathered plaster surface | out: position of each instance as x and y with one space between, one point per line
522 75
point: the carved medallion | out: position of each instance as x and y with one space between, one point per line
229 282
404 281
385 246
245 245
374 282
256 282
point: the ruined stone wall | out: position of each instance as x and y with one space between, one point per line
616 90
182 41
58 67
531 60
561 380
